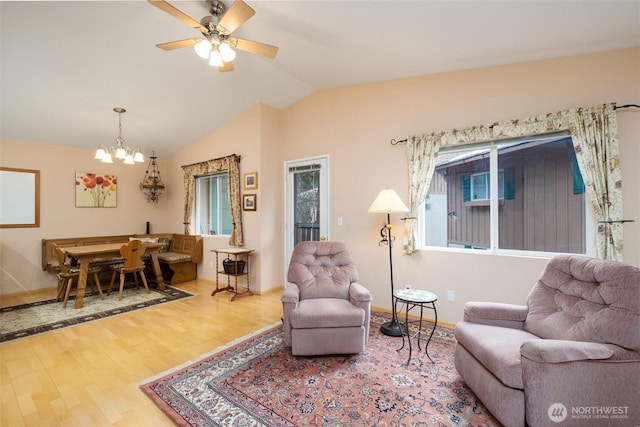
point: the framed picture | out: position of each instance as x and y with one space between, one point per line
249 202
95 191
251 181
19 189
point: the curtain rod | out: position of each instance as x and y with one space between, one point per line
394 142
213 160
615 107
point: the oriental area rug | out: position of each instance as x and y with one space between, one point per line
24 320
257 382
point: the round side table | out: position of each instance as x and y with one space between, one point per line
416 298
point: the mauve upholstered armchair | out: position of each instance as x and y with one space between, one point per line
325 309
570 357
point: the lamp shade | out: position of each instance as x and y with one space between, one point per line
388 201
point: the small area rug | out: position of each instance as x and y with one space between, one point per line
24 320
257 382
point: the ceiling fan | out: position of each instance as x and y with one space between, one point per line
217 43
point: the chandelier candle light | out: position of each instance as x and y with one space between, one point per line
152 185
128 155
389 202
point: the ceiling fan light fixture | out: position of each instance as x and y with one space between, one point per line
203 48
226 52
217 43
215 60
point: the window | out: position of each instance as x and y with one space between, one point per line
212 204
524 195
479 186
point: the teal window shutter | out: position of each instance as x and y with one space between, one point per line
466 188
509 183
578 182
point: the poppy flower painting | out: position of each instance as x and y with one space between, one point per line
95 191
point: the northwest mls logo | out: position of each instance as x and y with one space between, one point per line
557 412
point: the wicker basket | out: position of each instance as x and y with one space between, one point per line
233 267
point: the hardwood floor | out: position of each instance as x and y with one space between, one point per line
88 375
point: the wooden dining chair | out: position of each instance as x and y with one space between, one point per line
132 253
67 275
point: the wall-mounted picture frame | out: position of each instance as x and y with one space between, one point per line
249 202
251 181
20 197
96 191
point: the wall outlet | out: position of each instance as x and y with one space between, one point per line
407 286
451 296
340 221
211 264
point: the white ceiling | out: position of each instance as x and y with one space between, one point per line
65 65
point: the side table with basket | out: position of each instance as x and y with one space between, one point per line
234 265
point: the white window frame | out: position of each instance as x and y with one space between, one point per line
199 196
488 174
590 218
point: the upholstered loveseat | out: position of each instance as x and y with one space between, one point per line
570 357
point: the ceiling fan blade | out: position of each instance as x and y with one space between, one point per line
257 48
179 43
226 66
171 10
236 15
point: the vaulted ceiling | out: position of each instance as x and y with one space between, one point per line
65 65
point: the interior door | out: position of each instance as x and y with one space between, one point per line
306 202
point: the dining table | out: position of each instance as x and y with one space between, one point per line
86 254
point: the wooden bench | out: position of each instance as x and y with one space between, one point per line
179 263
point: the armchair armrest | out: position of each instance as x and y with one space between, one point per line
579 374
291 294
496 314
290 298
358 293
559 351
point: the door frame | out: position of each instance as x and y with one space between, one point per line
287 213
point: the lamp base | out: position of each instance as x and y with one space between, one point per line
393 329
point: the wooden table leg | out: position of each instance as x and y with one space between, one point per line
156 269
82 281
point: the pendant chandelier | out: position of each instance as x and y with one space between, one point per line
119 151
152 185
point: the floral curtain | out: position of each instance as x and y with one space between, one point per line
595 136
422 152
594 131
229 164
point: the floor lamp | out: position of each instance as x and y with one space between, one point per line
389 202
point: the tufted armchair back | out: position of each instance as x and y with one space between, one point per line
322 270
584 299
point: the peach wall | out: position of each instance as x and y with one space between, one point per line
355 124
240 136
270 195
20 256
